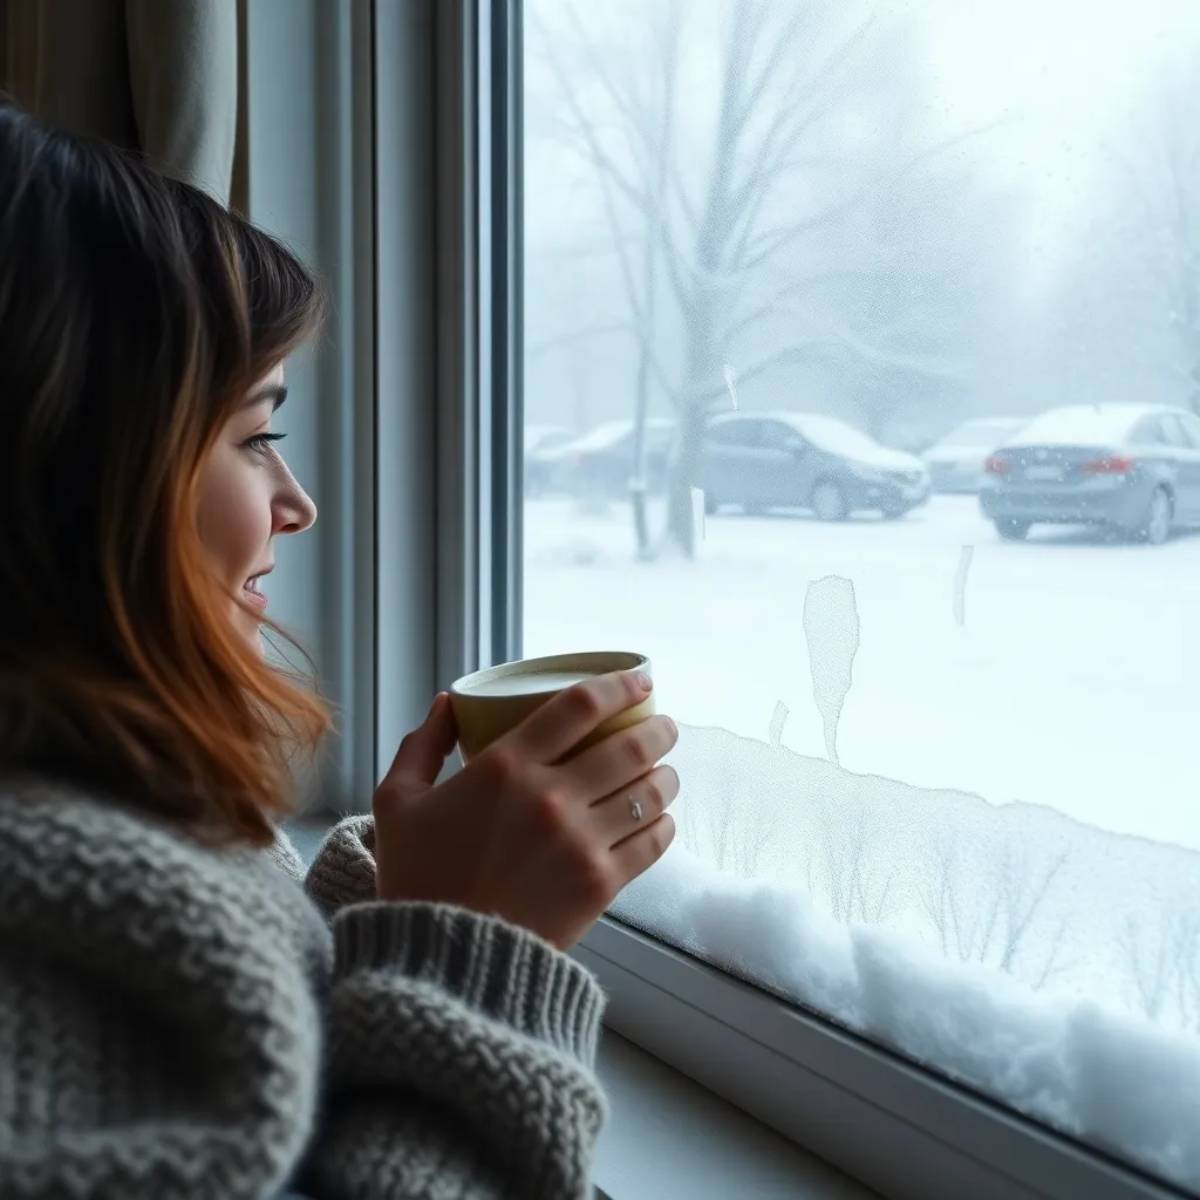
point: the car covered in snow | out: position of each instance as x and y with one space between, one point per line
540 440
1134 468
756 461
956 463
601 461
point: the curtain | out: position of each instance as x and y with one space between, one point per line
160 78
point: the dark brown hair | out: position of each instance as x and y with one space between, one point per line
135 312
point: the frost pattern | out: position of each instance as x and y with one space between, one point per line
989 950
831 629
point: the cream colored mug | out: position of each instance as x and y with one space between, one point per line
490 702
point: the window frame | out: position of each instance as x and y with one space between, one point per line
896 1126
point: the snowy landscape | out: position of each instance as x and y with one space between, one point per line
1000 873
935 785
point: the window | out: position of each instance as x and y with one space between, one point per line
1172 431
935 779
742 434
1191 429
1152 431
778 436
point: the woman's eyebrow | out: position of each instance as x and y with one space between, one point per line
276 392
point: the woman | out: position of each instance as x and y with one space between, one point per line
178 1018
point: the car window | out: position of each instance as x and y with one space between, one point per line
778 436
1148 432
1172 431
742 434
1190 426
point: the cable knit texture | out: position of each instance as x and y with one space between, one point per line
182 1021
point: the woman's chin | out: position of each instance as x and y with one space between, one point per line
250 628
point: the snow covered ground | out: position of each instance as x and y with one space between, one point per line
1072 681
999 876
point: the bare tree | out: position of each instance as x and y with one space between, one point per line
1154 186
775 241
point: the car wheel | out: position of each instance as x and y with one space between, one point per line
893 512
828 501
1156 525
1012 530
711 504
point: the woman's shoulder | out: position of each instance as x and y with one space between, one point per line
67 849
62 818
60 829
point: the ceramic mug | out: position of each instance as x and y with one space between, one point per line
488 703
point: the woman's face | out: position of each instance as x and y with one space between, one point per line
247 496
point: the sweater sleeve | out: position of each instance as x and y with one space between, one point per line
159 1034
343 870
458 1047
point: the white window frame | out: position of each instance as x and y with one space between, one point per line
447 130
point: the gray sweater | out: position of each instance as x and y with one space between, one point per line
183 1021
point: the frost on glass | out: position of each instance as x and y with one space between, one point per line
831 630
936 785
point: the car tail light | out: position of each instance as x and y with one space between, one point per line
997 465
1112 464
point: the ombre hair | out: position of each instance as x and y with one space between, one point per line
135 314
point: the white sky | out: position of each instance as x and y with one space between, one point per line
1066 71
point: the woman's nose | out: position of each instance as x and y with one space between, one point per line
294 511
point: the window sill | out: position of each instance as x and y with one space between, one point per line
670 1137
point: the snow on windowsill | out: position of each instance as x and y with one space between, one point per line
1048 963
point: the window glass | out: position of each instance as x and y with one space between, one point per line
735 433
1172 431
937 749
778 436
1150 432
1191 429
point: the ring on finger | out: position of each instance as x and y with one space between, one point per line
635 809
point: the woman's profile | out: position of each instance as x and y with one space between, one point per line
183 1011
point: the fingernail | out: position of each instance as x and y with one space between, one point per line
644 681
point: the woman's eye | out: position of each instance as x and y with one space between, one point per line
261 442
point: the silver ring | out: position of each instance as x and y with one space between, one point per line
635 809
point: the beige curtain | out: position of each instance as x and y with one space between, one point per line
159 76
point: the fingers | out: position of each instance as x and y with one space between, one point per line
627 812
621 758
422 753
563 722
641 851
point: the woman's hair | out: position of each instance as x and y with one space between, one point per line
135 313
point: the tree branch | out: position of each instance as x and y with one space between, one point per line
774 240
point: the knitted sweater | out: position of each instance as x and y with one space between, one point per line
183 1021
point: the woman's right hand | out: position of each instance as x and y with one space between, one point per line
542 843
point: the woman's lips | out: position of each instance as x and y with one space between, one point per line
255 598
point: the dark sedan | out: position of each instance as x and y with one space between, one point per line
1134 468
601 462
805 460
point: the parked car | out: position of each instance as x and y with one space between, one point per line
539 439
803 460
601 461
1132 467
956 463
